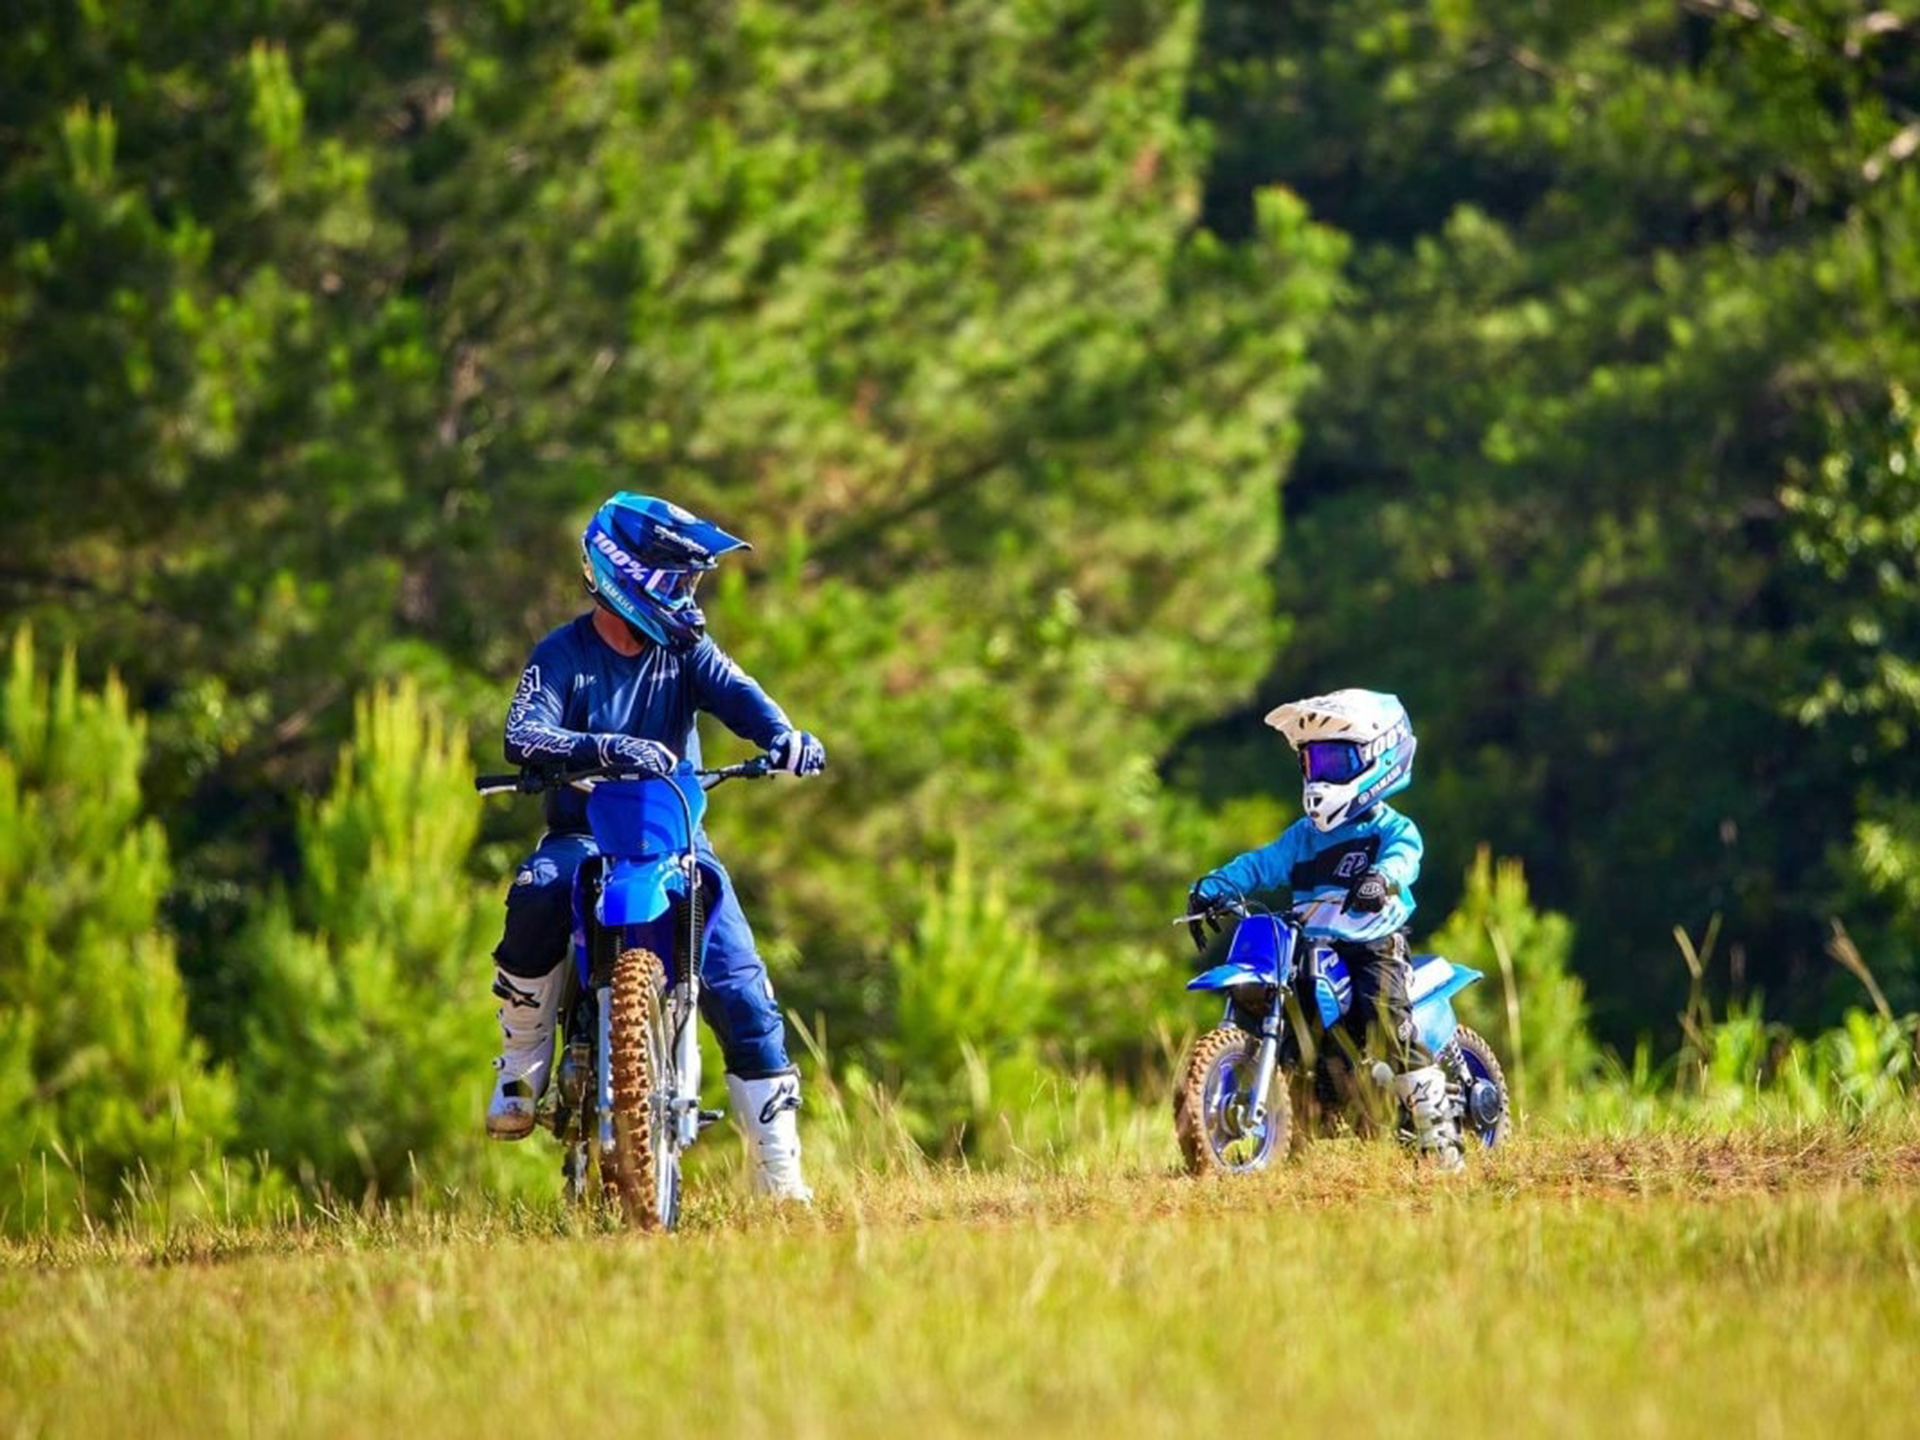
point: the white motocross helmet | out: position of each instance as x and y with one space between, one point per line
1355 747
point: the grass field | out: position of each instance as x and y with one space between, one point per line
1758 1283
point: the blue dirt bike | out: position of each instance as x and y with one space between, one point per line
625 1097
1287 991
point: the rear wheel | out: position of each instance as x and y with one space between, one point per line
1217 1135
1489 1111
642 1174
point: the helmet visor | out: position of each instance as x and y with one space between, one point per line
672 588
1334 761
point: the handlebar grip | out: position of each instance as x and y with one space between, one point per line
752 769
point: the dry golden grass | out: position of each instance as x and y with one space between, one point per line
1763 1282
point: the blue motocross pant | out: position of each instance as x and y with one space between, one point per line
736 997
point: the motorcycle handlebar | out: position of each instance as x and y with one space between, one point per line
525 782
1209 915
759 767
533 782
1236 908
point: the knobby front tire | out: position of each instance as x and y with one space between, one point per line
642 1175
1204 1119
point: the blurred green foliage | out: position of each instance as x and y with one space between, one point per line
1610 474
1089 376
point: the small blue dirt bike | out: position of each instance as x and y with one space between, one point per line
625 1095
1287 990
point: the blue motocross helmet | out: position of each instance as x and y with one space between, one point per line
643 559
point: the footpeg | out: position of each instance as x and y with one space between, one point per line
709 1117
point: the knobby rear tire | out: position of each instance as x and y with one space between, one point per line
632 1174
1190 1120
1472 1044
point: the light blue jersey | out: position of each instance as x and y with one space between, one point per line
1314 866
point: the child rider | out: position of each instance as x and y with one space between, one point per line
1356 748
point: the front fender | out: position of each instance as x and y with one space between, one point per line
638 891
1225 977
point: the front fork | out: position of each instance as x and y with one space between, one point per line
1266 1060
603 1069
685 1100
686 997
686 1060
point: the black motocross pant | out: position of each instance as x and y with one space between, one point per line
1380 1023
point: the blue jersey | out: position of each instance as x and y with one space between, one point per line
577 688
1315 866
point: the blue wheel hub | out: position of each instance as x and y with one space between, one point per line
1483 1104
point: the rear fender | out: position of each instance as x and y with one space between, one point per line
1436 980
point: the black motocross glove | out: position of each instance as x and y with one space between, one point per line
1200 901
1369 894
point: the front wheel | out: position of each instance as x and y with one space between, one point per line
642 1173
1488 1111
1217 1135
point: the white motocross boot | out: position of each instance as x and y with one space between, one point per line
1424 1093
526 1049
767 1112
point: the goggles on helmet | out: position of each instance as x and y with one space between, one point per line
672 588
1334 761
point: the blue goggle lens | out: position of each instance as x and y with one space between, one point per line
1334 761
672 587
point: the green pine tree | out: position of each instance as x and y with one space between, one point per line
365 1062
1497 930
105 1095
